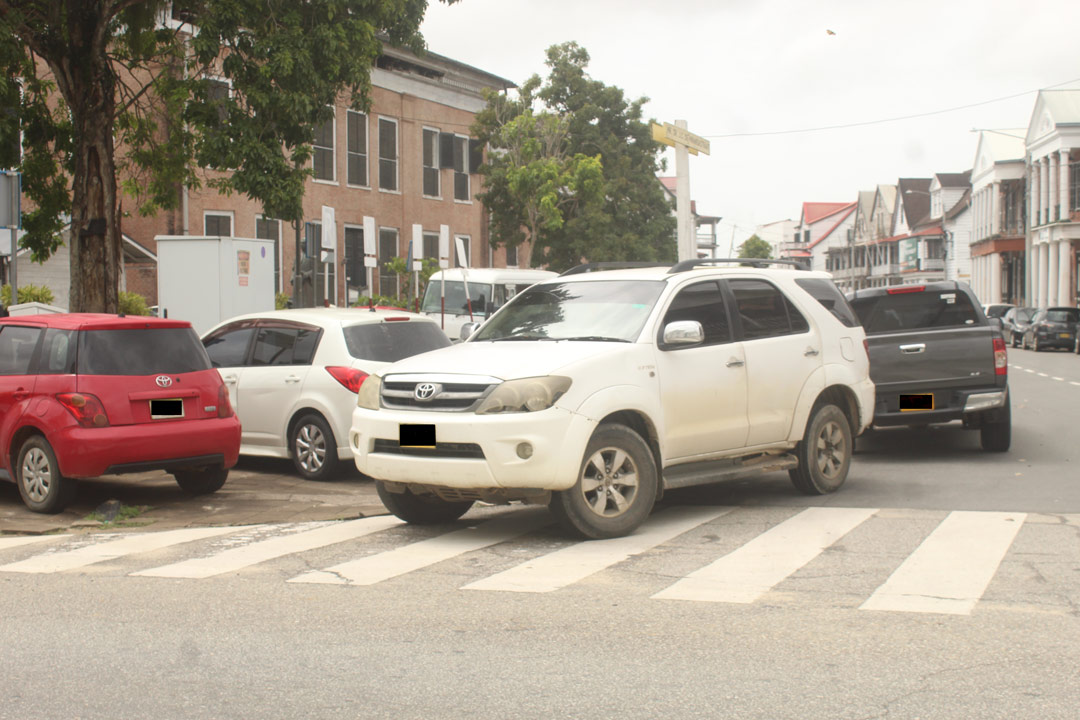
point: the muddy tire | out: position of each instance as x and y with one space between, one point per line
824 453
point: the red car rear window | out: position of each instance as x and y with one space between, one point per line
144 351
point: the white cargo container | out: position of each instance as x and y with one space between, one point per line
205 280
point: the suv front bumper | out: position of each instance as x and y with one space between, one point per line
537 450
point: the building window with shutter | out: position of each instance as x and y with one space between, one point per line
355 272
356 152
511 256
431 246
388 155
217 224
270 229
323 151
217 94
388 250
461 168
431 162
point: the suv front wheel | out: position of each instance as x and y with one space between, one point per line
615 489
824 453
37 474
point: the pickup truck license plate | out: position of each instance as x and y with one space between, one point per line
167 408
916 402
416 435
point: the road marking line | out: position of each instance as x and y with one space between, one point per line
744 575
1059 379
14 542
110 550
953 566
1073 382
238 558
566 566
385 565
1042 375
1029 370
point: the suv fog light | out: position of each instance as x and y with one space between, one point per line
524 450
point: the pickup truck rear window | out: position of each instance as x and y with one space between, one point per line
914 311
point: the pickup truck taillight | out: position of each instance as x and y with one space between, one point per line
1001 360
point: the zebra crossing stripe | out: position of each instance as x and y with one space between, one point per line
238 558
566 566
744 575
951 569
14 542
112 549
392 563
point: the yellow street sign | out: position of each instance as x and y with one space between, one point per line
685 137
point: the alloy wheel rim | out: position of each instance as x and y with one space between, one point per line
831 450
609 482
36 475
310 448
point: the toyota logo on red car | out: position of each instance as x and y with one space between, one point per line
163 381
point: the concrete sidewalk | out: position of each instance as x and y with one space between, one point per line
259 490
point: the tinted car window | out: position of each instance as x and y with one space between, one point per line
17 348
704 303
306 342
57 353
277 346
141 351
826 293
882 313
228 346
392 341
1065 315
764 310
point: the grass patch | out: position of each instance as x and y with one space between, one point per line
119 516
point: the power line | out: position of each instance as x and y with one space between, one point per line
888 120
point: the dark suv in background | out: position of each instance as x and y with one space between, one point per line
935 358
1054 327
83 395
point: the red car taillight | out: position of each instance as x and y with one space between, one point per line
1001 358
87 409
224 407
349 377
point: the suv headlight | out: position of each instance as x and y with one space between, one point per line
368 397
525 395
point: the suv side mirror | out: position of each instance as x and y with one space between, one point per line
682 333
468 329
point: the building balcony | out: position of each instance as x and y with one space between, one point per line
932 264
792 247
886 269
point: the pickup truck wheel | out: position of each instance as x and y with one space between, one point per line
421 509
996 437
615 489
201 482
42 488
824 453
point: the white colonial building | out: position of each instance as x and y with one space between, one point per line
997 210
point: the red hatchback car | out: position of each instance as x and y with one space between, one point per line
83 395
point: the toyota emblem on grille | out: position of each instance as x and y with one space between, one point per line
427 391
163 380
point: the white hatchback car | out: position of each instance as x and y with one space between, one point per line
293 375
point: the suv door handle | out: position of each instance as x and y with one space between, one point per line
735 362
810 352
913 349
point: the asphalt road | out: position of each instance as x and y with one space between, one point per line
450 627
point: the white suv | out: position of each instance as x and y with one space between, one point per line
595 392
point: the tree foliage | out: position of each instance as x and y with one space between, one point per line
755 247
572 169
101 88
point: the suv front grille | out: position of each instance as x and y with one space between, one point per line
451 395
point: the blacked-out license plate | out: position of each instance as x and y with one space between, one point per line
167 408
919 401
416 435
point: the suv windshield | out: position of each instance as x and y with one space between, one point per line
141 351
392 341
479 295
593 310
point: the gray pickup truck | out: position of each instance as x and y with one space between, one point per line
936 358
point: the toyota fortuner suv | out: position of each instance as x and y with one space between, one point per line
595 392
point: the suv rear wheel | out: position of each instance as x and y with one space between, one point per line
203 481
313 448
421 509
824 453
37 474
615 489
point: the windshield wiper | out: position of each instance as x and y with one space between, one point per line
519 336
593 338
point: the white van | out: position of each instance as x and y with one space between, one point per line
489 289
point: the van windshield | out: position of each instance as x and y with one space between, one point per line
479 295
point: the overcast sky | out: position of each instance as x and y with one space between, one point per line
733 67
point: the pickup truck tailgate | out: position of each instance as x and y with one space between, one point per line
929 359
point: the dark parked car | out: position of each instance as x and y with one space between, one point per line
997 310
1053 327
935 358
1014 323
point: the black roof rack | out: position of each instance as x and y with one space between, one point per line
613 265
748 262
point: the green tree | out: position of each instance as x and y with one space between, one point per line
572 168
101 86
755 247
